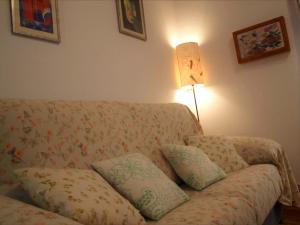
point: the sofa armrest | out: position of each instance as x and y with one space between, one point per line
14 212
256 150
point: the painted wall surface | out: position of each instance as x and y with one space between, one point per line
94 61
260 98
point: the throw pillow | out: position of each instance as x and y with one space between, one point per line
82 195
193 166
220 150
142 183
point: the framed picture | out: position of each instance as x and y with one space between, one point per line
131 18
261 40
35 18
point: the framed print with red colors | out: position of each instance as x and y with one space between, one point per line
36 18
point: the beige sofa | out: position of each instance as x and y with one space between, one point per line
63 134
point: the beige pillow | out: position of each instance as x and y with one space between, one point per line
220 150
142 183
82 195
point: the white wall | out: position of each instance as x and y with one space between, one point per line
260 98
93 60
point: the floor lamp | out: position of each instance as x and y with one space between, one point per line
188 57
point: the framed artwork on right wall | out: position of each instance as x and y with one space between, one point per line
261 40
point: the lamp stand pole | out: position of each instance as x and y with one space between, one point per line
195 102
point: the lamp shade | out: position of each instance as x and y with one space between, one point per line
188 57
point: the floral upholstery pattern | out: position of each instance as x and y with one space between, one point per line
142 183
14 212
82 195
220 150
261 150
74 134
193 166
244 197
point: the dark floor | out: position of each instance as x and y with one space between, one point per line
291 215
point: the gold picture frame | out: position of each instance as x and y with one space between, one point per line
36 19
131 18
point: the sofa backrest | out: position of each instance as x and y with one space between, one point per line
61 134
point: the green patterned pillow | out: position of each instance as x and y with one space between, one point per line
193 166
142 183
81 195
220 150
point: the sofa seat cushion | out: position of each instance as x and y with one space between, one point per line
14 212
15 191
244 197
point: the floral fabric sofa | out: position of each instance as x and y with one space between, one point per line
75 134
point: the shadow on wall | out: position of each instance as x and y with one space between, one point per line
294 9
295 19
